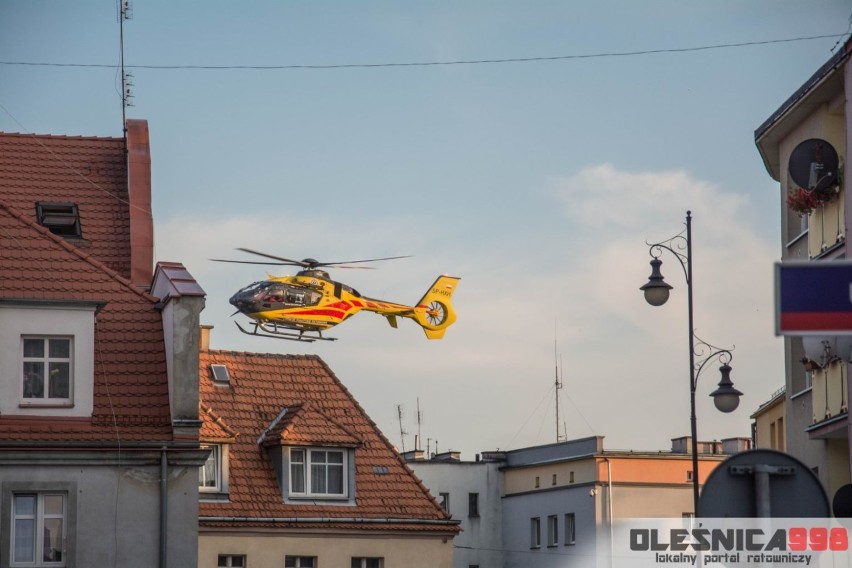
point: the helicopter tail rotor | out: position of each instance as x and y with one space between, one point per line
434 312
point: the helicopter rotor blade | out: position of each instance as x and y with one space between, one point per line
273 257
309 263
357 261
250 262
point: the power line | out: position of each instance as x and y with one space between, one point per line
428 63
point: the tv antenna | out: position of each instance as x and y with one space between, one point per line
402 432
125 13
558 387
419 422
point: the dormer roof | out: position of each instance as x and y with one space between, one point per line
276 401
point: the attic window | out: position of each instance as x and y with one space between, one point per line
61 219
220 374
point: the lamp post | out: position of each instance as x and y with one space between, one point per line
726 397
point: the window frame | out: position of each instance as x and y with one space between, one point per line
8 491
473 505
307 466
444 501
552 531
46 360
229 558
570 529
297 561
215 457
361 561
535 532
60 218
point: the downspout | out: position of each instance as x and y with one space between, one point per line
164 506
609 507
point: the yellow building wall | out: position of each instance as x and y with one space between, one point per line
770 428
541 477
663 470
264 550
824 226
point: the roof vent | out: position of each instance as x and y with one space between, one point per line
220 374
61 219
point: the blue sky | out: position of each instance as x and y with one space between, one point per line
537 183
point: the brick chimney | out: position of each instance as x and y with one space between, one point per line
139 191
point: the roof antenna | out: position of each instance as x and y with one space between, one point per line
419 422
558 385
125 13
402 433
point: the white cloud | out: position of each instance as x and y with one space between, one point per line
485 385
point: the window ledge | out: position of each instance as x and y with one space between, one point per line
45 405
214 497
337 498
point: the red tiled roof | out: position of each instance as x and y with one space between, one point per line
88 171
131 397
213 428
306 425
321 410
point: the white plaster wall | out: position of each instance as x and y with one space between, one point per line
481 540
76 321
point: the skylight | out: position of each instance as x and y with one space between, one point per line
61 219
220 374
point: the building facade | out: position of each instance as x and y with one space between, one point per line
552 505
299 476
816 404
99 447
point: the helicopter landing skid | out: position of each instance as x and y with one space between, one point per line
273 331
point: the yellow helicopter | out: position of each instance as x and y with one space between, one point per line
301 307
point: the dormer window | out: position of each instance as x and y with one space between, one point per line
61 219
317 472
47 368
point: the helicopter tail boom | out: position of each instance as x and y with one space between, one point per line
434 312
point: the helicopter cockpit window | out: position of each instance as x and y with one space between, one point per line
291 295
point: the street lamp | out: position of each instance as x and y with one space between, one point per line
656 290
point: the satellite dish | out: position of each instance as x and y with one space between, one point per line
814 164
763 483
842 503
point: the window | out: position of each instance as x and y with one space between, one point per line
473 504
220 374
552 530
46 368
300 561
315 472
535 532
368 562
689 475
231 561
38 529
570 529
210 476
570 477
444 501
537 482
553 481
61 219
